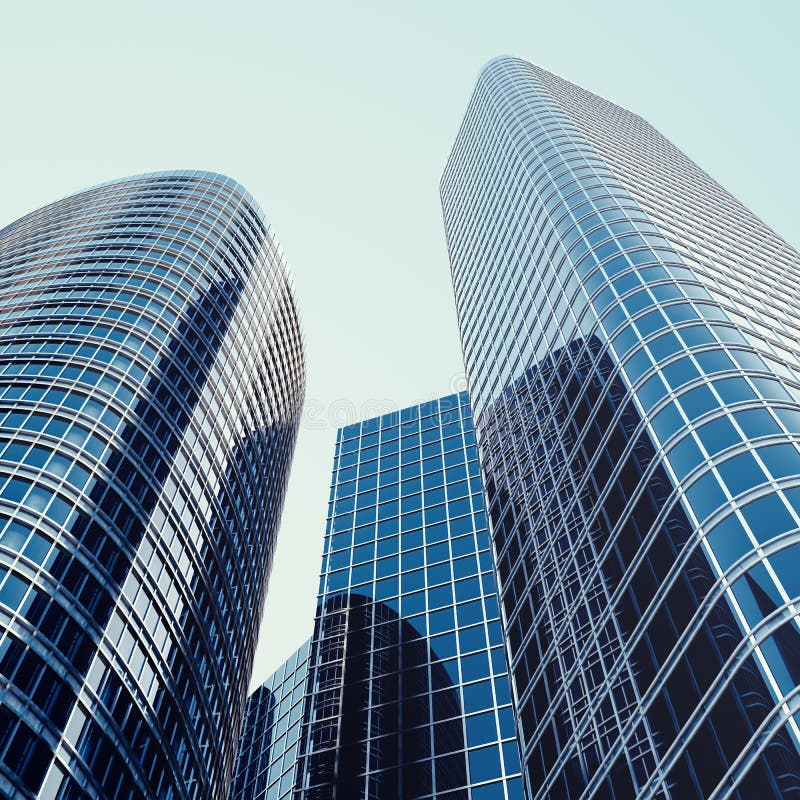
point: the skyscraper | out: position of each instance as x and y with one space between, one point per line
266 768
406 683
151 378
630 334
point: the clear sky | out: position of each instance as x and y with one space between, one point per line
338 117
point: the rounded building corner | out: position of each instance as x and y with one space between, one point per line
499 62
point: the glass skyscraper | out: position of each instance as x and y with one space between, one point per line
630 334
269 747
151 378
406 684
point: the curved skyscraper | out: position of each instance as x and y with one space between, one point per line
151 379
630 334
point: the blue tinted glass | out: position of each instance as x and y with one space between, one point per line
474 667
781 460
741 472
392 632
718 434
472 638
697 401
468 589
439 596
441 621
484 764
767 517
705 495
729 541
756 422
481 728
685 455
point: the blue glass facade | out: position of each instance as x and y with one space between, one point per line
151 377
268 750
630 340
407 694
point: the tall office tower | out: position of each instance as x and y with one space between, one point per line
630 339
407 691
151 377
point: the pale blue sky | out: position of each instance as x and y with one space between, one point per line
338 117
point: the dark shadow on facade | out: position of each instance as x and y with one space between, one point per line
559 413
255 746
124 504
377 686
